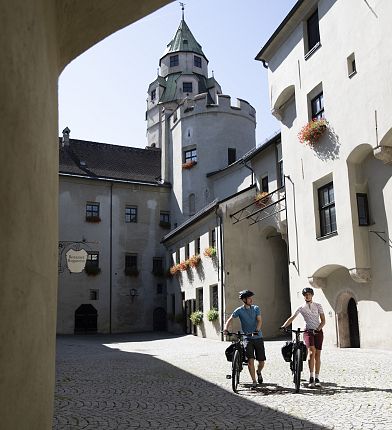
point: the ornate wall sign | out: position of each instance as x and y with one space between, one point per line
76 260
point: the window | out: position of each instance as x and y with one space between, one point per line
231 155
164 219
197 61
327 209
280 173
313 31
157 266
264 184
190 155
131 214
94 294
131 265
92 212
214 297
197 246
177 256
187 87
187 251
153 95
363 209
173 60
351 65
212 238
192 204
199 299
317 106
92 259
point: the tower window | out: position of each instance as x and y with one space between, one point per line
153 95
173 60
197 61
190 155
187 87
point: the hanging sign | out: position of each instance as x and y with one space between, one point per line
76 260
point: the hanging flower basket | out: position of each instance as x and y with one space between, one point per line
174 270
210 252
184 265
212 314
312 131
189 164
262 199
194 260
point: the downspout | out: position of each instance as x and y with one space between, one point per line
111 258
253 173
221 267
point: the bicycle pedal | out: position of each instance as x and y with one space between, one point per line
228 376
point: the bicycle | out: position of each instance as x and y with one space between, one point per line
298 355
236 354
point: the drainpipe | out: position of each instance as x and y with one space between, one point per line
248 167
221 267
111 258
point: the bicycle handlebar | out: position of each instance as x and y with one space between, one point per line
288 330
238 333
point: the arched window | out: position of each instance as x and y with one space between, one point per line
192 204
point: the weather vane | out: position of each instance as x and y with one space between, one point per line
182 8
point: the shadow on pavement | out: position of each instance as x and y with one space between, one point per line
102 388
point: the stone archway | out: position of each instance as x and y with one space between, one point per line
347 321
86 317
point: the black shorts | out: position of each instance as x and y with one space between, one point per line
255 348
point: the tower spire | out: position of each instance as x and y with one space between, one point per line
182 8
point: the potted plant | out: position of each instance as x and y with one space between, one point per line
189 164
312 131
194 260
210 252
196 317
93 218
212 314
262 199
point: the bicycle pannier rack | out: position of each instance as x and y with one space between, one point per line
287 351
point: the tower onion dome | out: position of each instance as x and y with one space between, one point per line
183 41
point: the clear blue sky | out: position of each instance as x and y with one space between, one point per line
102 93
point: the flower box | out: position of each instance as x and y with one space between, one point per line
194 260
93 218
312 131
184 265
174 270
262 199
92 270
210 252
196 317
189 164
212 314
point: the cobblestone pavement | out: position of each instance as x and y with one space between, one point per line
147 381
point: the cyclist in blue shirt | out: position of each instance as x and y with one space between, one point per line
250 317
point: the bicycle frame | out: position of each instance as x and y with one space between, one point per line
296 364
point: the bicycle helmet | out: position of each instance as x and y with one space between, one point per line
307 290
244 294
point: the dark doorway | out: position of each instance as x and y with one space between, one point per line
159 320
353 323
86 317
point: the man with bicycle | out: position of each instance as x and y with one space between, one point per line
314 317
250 318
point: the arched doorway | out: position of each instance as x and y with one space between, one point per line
352 313
347 321
86 317
159 320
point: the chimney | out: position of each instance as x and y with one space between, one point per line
65 140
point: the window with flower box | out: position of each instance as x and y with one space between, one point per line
197 246
214 297
131 268
164 219
92 212
317 106
92 263
199 299
213 238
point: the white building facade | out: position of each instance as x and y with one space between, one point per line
330 60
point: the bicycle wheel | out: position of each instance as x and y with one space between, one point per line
235 370
297 369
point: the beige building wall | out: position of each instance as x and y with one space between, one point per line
355 263
39 38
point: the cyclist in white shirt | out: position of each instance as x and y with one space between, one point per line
314 317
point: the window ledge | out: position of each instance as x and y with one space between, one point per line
327 236
352 74
311 51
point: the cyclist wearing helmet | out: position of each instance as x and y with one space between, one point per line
250 317
314 317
